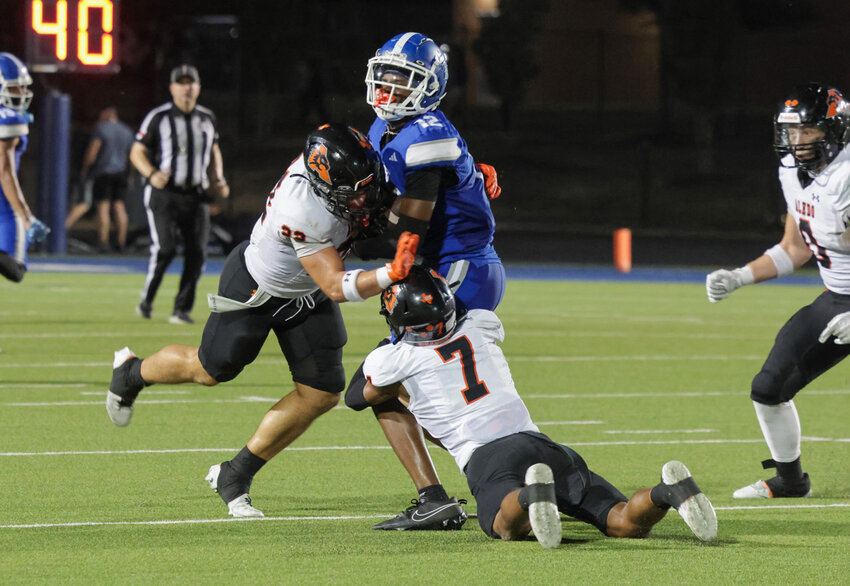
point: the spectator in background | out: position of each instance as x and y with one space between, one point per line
104 174
177 152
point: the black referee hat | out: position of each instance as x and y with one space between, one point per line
185 71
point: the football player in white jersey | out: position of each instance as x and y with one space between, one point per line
453 377
812 130
288 278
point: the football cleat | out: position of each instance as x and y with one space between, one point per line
180 318
774 488
144 310
120 410
237 507
427 515
543 510
694 507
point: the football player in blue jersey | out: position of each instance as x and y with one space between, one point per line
442 196
18 226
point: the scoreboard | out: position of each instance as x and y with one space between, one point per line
72 36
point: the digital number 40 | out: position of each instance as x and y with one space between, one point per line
60 29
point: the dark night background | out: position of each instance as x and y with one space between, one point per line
598 114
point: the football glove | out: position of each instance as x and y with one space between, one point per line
839 326
37 231
491 180
404 256
721 283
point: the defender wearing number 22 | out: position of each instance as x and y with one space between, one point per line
288 278
812 131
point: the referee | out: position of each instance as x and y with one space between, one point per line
177 152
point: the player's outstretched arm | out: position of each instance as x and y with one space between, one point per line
327 269
777 261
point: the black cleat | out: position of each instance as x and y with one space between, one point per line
427 515
143 309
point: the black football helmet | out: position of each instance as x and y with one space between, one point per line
812 105
343 167
420 308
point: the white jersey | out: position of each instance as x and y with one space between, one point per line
822 213
460 388
296 223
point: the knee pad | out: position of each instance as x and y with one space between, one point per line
354 398
322 370
769 389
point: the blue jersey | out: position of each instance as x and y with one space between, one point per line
462 224
13 124
13 242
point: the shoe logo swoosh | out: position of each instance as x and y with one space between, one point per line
417 518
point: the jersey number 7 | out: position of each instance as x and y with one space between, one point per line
475 389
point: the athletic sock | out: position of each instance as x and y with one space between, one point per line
236 476
435 492
246 464
780 426
790 472
661 496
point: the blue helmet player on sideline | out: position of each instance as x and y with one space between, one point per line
447 366
18 225
444 198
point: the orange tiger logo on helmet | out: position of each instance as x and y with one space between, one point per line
318 161
389 298
835 102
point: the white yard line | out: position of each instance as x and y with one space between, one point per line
332 518
387 447
653 431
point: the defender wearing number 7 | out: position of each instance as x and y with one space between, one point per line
812 131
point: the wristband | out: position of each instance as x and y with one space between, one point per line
783 262
382 275
349 286
746 275
148 178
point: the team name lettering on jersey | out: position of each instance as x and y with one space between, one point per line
804 208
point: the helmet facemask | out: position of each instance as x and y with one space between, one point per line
388 97
15 81
810 155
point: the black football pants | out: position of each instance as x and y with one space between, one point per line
174 216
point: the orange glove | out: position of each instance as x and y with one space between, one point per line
405 254
491 180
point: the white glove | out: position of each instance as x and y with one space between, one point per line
721 283
839 326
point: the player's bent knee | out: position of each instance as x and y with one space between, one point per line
767 390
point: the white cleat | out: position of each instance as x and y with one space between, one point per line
241 507
760 490
756 490
238 507
119 412
543 514
696 509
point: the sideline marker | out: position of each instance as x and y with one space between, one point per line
623 250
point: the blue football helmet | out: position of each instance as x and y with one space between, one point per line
406 77
14 74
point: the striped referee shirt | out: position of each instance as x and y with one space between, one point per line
181 143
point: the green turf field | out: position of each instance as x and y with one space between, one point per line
630 375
